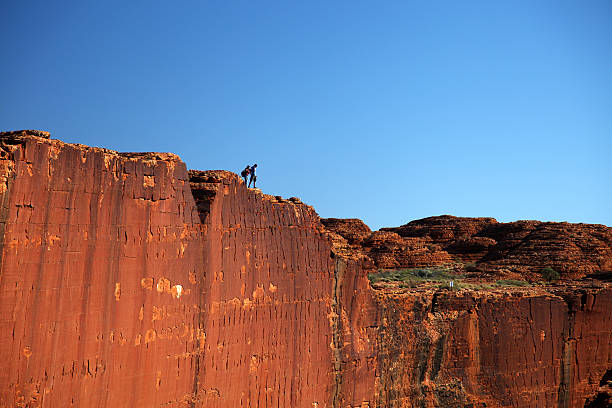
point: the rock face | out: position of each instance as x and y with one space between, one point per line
126 280
266 293
493 349
277 306
522 248
100 254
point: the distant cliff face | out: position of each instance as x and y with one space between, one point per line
126 280
521 248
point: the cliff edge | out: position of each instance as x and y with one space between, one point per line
127 280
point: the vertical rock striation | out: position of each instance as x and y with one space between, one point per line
265 296
98 297
282 307
493 349
126 280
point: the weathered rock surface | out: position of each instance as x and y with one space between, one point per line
522 248
126 280
278 307
493 349
266 293
98 296
353 230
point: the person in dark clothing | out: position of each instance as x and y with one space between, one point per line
245 173
253 176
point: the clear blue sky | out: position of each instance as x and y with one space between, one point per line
386 111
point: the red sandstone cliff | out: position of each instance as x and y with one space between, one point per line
127 281
282 313
99 296
494 349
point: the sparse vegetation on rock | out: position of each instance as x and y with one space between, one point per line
549 274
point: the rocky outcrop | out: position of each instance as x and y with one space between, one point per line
521 248
353 230
386 248
126 280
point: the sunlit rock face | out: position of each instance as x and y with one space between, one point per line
99 293
523 247
126 280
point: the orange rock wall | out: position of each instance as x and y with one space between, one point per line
117 291
493 350
94 246
127 281
284 317
355 327
266 296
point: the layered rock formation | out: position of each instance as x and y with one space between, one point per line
521 248
525 247
126 280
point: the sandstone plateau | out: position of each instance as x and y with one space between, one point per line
128 281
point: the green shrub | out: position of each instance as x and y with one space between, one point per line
549 274
471 267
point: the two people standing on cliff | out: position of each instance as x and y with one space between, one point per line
249 170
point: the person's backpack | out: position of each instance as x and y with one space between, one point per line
245 172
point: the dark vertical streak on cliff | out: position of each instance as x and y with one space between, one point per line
4 213
198 325
567 353
336 328
203 200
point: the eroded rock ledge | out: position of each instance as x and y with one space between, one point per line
126 280
518 249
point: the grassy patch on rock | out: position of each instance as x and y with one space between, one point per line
414 276
512 282
439 277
